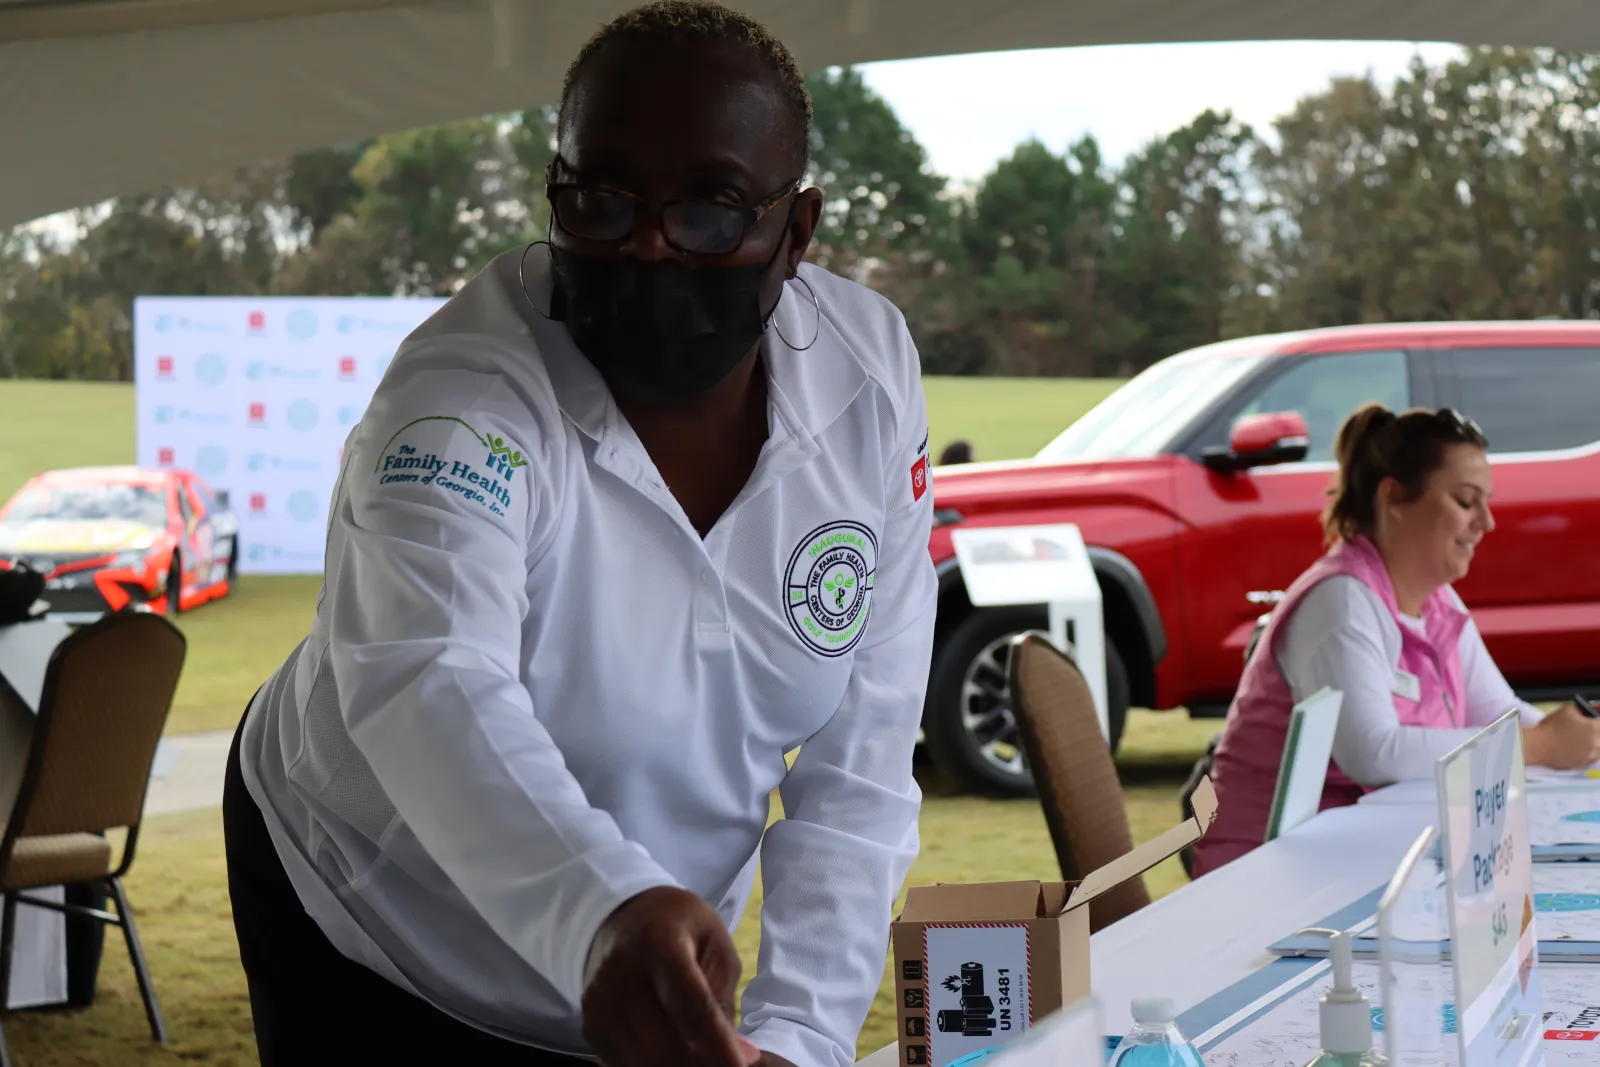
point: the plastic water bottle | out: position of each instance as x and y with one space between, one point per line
1155 1040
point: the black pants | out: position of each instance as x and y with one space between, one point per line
312 1005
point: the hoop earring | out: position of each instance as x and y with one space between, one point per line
522 281
815 332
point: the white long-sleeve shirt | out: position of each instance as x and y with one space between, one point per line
1342 636
532 690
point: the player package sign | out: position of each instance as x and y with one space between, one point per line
977 965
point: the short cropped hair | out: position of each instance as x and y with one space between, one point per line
679 21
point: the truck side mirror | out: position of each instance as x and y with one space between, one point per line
1262 441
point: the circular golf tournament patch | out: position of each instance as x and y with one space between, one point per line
828 588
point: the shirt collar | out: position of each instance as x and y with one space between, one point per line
818 381
580 392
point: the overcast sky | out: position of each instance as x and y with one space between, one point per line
971 111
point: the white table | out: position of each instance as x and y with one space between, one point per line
39 963
1425 792
1421 792
1208 935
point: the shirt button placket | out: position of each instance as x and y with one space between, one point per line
711 613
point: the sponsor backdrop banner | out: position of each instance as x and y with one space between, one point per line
258 395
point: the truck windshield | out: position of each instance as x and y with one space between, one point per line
1142 417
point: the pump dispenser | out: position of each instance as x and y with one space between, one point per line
1345 1012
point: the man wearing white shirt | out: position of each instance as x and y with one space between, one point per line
634 515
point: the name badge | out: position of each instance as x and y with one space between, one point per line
1407 685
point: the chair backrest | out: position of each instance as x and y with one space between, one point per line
1073 770
107 690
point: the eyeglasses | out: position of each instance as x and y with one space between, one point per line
694 227
1460 425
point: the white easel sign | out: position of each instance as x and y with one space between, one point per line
1014 565
1483 807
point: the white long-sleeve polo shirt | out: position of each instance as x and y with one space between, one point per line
532 690
1341 636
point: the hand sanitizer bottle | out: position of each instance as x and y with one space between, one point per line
1345 1012
1155 1040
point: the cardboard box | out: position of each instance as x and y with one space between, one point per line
977 965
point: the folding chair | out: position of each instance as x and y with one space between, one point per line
107 690
1072 767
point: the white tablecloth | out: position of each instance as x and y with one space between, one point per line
1208 935
39 965
39 962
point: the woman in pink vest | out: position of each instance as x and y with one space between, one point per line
1376 619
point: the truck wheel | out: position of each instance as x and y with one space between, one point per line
971 735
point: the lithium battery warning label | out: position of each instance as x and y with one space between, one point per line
977 988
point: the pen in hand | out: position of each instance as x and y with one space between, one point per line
1581 702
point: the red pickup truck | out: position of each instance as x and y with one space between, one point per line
1198 485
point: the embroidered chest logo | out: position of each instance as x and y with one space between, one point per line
829 586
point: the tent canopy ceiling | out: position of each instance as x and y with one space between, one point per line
104 97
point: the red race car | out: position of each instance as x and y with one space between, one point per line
109 538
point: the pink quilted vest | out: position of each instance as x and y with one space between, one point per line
1245 771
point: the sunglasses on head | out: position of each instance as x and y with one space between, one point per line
1459 425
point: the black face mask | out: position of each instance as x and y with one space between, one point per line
661 332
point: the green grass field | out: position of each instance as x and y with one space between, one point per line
236 643
75 424
1005 418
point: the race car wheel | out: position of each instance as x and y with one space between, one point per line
232 574
174 586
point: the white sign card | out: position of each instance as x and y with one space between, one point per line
978 987
1566 816
1303 770
1007 565
1071 1037
1488 861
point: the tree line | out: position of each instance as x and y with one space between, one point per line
1467 190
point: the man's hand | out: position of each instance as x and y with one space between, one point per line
1565 739
659 986
772 1059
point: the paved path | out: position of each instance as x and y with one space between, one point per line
194 779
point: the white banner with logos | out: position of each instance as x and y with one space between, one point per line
258 395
